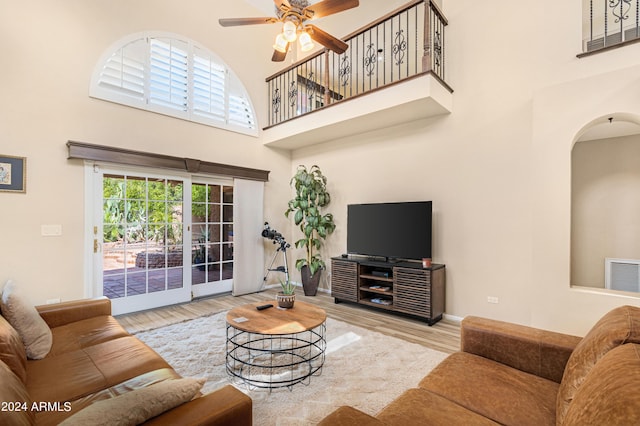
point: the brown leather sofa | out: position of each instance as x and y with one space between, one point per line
515 375
93 358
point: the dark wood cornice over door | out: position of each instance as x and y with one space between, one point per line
86 151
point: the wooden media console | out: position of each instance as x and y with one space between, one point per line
404 287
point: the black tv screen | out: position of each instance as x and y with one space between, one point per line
391 230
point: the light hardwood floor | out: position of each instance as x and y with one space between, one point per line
443 336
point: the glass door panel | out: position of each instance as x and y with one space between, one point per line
212 238
142 241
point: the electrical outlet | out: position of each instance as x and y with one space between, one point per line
492 299
56 300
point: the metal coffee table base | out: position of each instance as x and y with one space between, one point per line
275 361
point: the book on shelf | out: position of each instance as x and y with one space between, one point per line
380 288
381 301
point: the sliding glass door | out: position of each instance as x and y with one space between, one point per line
159 240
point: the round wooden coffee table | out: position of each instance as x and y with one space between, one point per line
275 348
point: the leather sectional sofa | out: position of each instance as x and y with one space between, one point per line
515 375
92 358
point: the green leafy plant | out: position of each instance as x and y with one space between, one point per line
311 197
127 214
288 287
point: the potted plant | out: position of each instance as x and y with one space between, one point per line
287 296
311 197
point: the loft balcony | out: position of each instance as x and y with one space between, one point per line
393 72
608 24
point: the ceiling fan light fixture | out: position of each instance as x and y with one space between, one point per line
292 15
305 42
280 44
289 31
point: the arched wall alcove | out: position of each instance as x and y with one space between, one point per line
562 114
605 204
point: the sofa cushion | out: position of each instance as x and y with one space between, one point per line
53 418
91 369
501 393
139 405
84 333
416 405
610 394
64 377
13 392
124 358
619 326
35 333
12 350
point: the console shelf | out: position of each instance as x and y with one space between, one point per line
404 287
376 278
379 289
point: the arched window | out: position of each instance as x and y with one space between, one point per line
172 75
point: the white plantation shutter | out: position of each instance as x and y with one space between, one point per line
168 74
124 72
240 113
174 76
209 87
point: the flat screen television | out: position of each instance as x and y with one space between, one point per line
390 230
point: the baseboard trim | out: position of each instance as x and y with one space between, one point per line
452 318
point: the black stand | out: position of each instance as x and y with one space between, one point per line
283 246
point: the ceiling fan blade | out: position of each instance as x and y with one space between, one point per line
232 22
279 3
329 7
279 56
326 39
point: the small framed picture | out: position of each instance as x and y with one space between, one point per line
13 174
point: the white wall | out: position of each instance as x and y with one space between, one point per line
560 115
50 50
498 168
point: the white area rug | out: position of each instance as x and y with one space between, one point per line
363 369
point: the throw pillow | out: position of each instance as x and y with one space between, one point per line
139 405
33 330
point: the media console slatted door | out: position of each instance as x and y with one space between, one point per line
415 290
343 276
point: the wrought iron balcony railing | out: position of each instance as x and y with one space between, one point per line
608 23
405 43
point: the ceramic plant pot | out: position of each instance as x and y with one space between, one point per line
285 301
310 282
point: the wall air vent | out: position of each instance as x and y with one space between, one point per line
622 274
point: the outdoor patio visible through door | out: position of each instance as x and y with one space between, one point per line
142 238
159 239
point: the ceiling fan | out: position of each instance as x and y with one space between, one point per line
293 14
